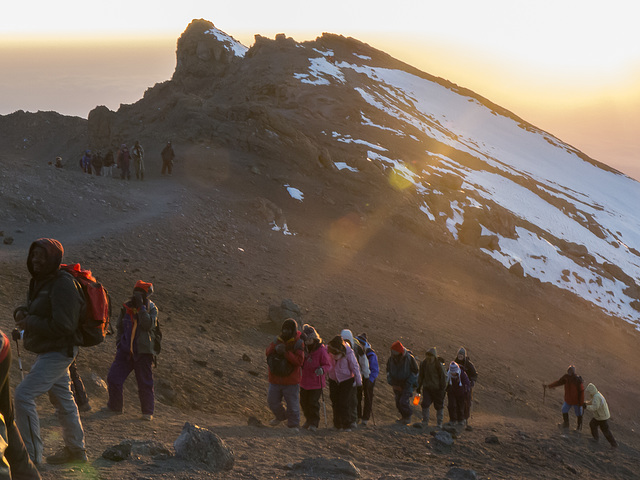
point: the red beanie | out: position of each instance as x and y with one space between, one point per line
147 288
397 346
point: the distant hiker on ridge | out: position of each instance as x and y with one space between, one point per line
402 375
598 406
137 152
167 155
285 356
316 364
50 321
137 342
573 395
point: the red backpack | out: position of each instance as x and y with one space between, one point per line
94 323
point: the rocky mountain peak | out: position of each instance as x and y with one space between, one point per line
203 51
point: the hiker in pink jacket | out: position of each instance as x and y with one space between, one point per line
316 364
344 376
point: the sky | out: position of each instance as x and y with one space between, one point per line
569 67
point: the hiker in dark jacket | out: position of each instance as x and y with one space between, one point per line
50 321
137 342
465 364
458 387
433 383
15 452
124 162
573 395
137 152
316 364
402 375
368 383
167 155
285 357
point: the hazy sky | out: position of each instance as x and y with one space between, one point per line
569 67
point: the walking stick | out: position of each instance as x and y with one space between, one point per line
544 392
19 359
324 408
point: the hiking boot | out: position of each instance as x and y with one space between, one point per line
404 421
579 426
306 425
85 407
353 426
274 422
66 455
565 421
146 416
365 423
312 428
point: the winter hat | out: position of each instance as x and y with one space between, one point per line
571 370
462 352
432 351
146 288
454 368
310 332
336 345
54 252
347 336
397 347
362 338
591 389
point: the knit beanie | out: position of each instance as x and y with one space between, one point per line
397 347
309 332
146 288
571 370
336 345
454 369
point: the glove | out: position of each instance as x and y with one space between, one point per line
319 371
16 334
281 349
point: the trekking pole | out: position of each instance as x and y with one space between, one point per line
16 337
324 408
544 392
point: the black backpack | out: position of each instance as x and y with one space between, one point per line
279 365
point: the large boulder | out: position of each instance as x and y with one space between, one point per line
196 444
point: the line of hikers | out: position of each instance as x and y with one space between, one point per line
95 163
299 364
49 325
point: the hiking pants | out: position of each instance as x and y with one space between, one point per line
310 403
167 166
365 392
403 402
434 397
456 407
15 453
604 426
576 408
291 396
340 393
139 164
123 364
49 373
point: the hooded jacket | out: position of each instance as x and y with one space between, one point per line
467 366
54 304
372 357
136 329
402 370
359 352
432 375
315 358
598 405
294 353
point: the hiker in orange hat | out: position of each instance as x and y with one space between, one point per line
137 342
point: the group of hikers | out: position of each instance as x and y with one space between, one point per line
300 364
49 326
95 163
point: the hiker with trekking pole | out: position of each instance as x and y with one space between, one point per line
316 363
344 378
573 396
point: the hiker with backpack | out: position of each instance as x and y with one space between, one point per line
573 396
363 362
137 152
365 393
597 405
402 375
137 343
167 155
124 162
344 378
50 321
285 357
312 382
463 361
432 382
15 452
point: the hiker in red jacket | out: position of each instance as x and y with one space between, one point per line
573 395
285 357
